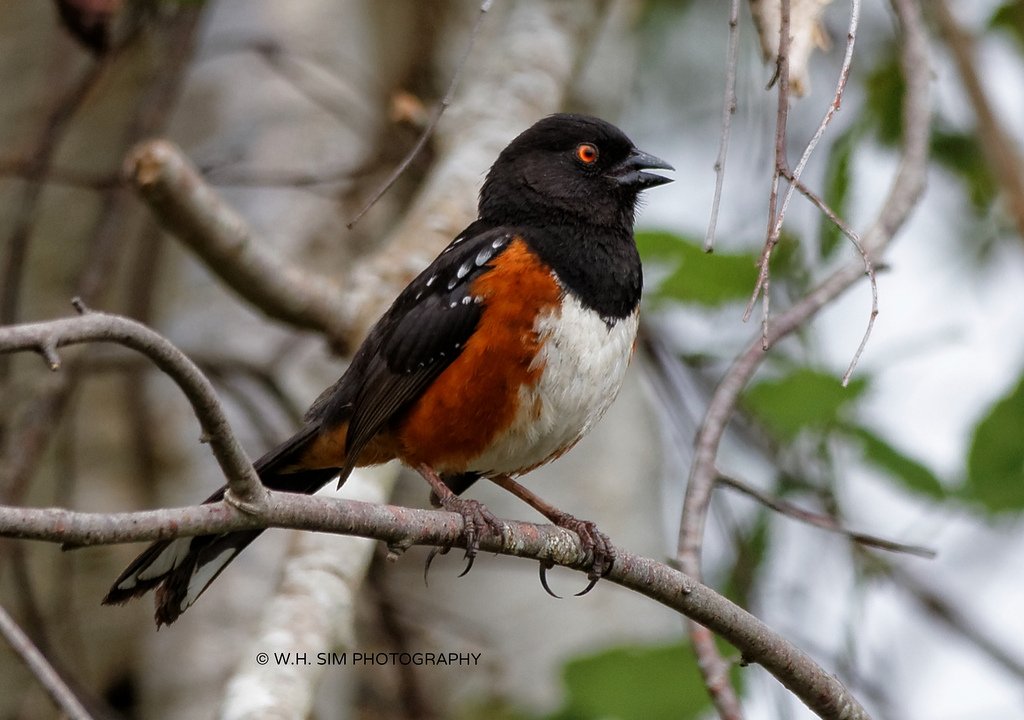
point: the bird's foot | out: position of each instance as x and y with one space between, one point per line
597 547
477 521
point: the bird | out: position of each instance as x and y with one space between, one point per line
496 359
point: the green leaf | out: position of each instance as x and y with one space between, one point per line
914 476
803 399
837 187
995 463
789 263
641 682
751 550
961 154
1010 17
709 279
660 245
885 88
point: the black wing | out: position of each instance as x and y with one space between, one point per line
414 341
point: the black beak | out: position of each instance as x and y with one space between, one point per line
629 173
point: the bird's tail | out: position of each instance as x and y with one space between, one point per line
182 568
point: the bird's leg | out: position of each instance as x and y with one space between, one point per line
476 518
594 542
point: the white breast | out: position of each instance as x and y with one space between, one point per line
584 362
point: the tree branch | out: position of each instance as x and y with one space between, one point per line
401 527
243 485
822 521
906 188
196 215
49 678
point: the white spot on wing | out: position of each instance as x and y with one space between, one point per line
464 269
483 256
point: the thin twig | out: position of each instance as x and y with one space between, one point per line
151 111
24 168
761 287
869 267
292 68
51 681
833 108
728 111
17 247
24 447
449 94
821 520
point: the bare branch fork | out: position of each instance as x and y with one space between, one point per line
777 211
399 527
905 190
761 288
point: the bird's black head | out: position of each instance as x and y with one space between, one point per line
569 169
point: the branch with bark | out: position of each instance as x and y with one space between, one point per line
402 528
244 486
209 227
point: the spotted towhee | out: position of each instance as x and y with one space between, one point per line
496 359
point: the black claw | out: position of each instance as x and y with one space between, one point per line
589 587
546 565
469 564
434 552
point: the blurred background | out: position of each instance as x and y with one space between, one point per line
295 113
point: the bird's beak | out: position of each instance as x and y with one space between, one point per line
629 173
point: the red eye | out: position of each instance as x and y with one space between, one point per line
586 153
